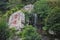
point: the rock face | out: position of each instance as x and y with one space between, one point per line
17 20
28 7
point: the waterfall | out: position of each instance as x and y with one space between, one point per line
35 19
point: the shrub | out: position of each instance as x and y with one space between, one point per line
49 14
29 33
4 31
52 21
45 7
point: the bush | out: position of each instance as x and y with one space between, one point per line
45 7
29 33
4 31
52 21
49 11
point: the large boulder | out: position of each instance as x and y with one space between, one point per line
17 20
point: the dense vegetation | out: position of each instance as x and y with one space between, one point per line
49 11
30 33
49 18
4 30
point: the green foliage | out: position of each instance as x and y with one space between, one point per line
14 1
11 11
3 4
12 33
49 11
52 20
9 5
29 33
42 8
29 1
45 8
4 31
